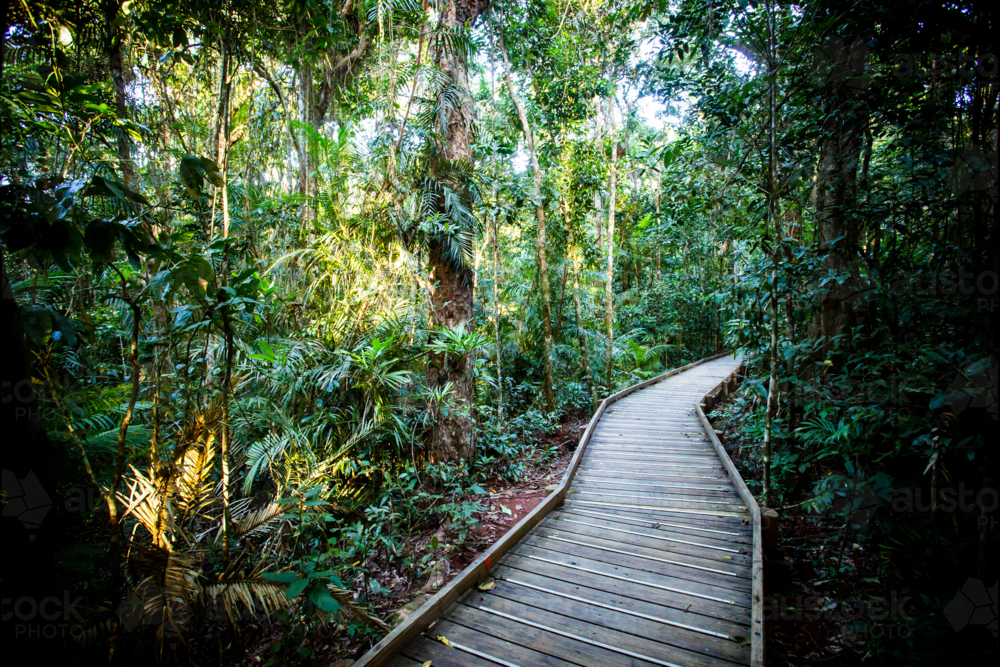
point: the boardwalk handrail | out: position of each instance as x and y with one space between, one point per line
757 572
478 570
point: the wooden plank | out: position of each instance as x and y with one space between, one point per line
693 566
691 488
664 460
636 585
665 542
424 649
540 640
663 442
713 507
688 578
720 538
708 515
481 639
629 647
725 486
685 610
683 442
625 425
697 445
710 478
402 661
733 525
632 452
586 606
634 490
626 465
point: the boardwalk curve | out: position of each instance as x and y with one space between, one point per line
648 554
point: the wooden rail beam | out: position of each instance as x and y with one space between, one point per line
757 571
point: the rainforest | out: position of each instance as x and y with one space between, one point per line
318 313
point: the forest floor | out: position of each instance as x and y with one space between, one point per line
517 499
403 595
824 602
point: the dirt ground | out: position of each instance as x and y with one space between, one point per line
519 499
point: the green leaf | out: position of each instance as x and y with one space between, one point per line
296 588
320 596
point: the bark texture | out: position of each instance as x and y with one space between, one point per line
451 300
837 229
113 48
609 291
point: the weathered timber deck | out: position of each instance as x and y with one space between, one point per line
648 554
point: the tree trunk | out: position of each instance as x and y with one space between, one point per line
496 310
451 299
574 253
836 201
609 303
773 226
540 245
305 82
114 50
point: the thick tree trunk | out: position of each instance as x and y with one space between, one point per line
451 300
836 202
452 306
540 241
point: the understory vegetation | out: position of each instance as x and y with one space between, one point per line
290 287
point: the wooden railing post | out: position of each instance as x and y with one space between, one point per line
769 528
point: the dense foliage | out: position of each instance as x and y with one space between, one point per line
289 284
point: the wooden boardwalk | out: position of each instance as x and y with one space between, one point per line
648 559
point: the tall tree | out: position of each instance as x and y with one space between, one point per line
609 287
540 248
450 167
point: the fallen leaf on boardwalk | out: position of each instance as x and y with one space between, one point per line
488 585
740 507
444 640
742 641
426 664
728 557
505 510
688 606
656 525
